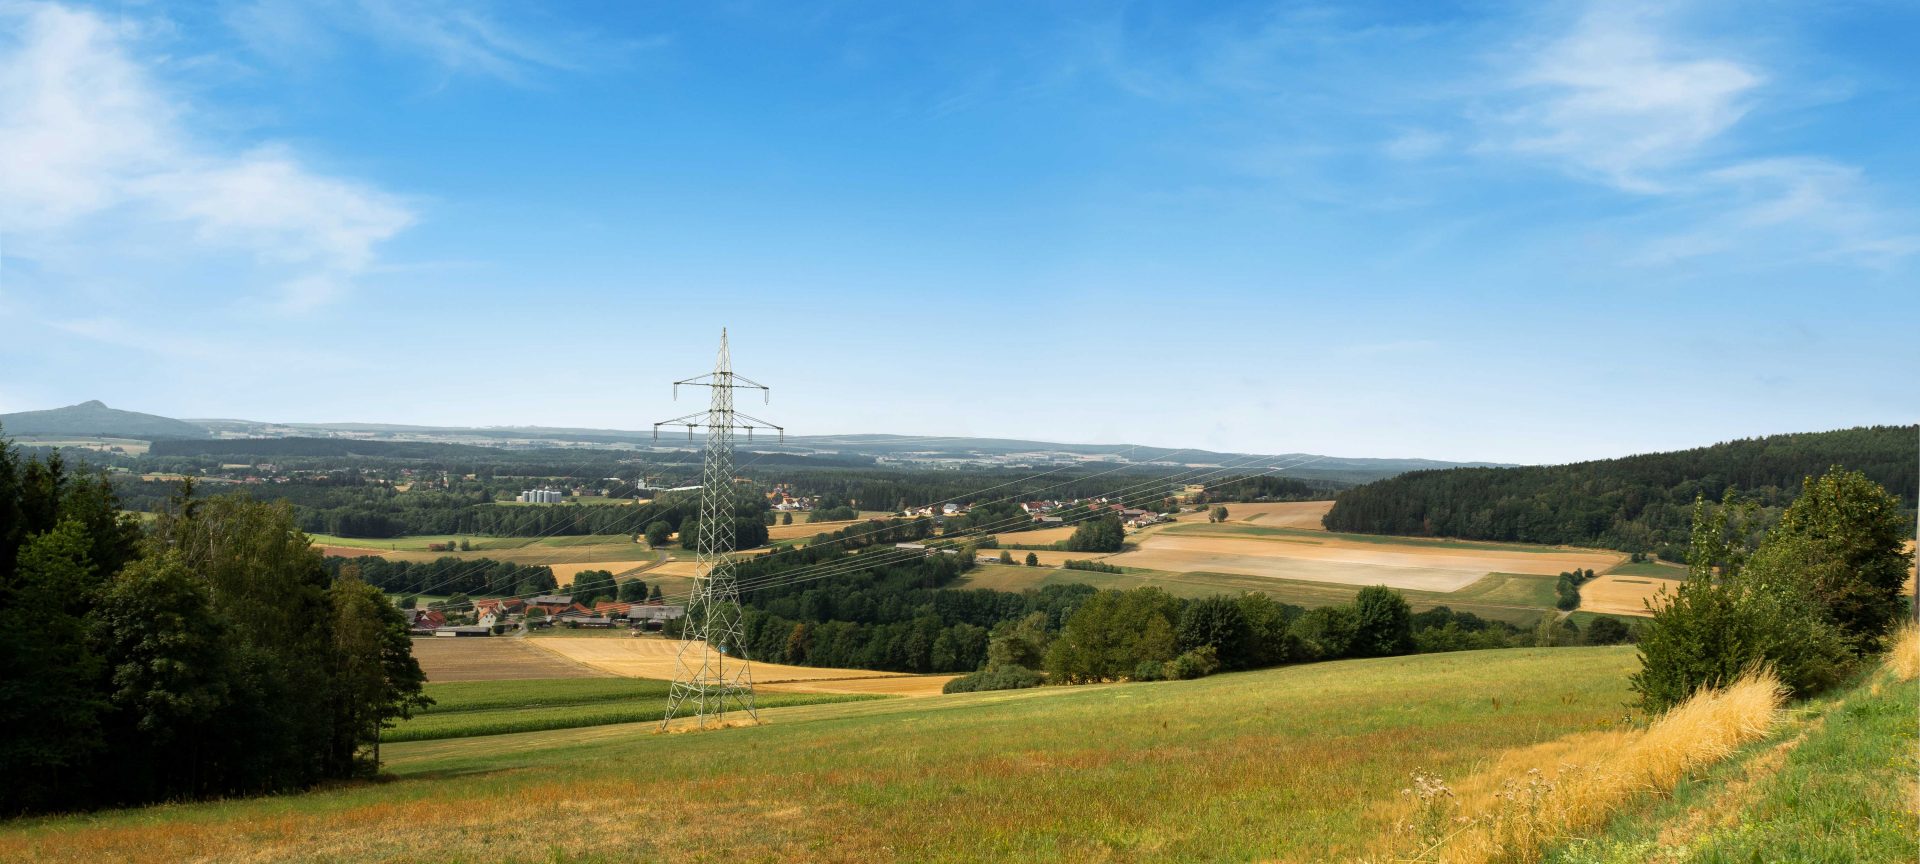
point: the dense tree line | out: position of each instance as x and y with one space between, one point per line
1636 504
880 609
210 654
477 577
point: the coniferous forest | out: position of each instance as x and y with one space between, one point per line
1634 504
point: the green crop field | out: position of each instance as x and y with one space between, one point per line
1655 569
470 708
1301 763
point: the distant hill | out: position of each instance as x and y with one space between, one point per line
387 440
1635 504
95 419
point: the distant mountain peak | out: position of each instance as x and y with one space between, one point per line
93 418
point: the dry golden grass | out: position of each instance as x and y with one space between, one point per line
1904 657
1514 810
1625 595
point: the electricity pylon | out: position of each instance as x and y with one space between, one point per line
711 669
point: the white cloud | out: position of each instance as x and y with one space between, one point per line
1620 99
91 144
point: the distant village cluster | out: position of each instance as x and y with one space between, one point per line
493 617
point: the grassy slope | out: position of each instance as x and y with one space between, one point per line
1300 763
472 708
1834 785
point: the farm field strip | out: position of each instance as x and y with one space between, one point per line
494 658
653 657
1624 595
564 573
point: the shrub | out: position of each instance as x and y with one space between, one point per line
1325 633
1713 633
1383 623
1843 540
1102 534
1607 630
1090 566
995 678
1197 663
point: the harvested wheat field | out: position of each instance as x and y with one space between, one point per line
1036 537
1624 595
651 657
1288 554
1047 557
564 573
899 685
498 658
807 529
1284 514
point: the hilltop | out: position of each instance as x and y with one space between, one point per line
94 419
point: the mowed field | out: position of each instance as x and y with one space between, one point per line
494 658
1299 764
1321 556
653 657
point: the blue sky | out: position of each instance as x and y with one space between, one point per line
1518 232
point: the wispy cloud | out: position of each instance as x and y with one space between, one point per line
1625 97
459 38
1619 98
94 151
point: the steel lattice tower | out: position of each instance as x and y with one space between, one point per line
711 669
